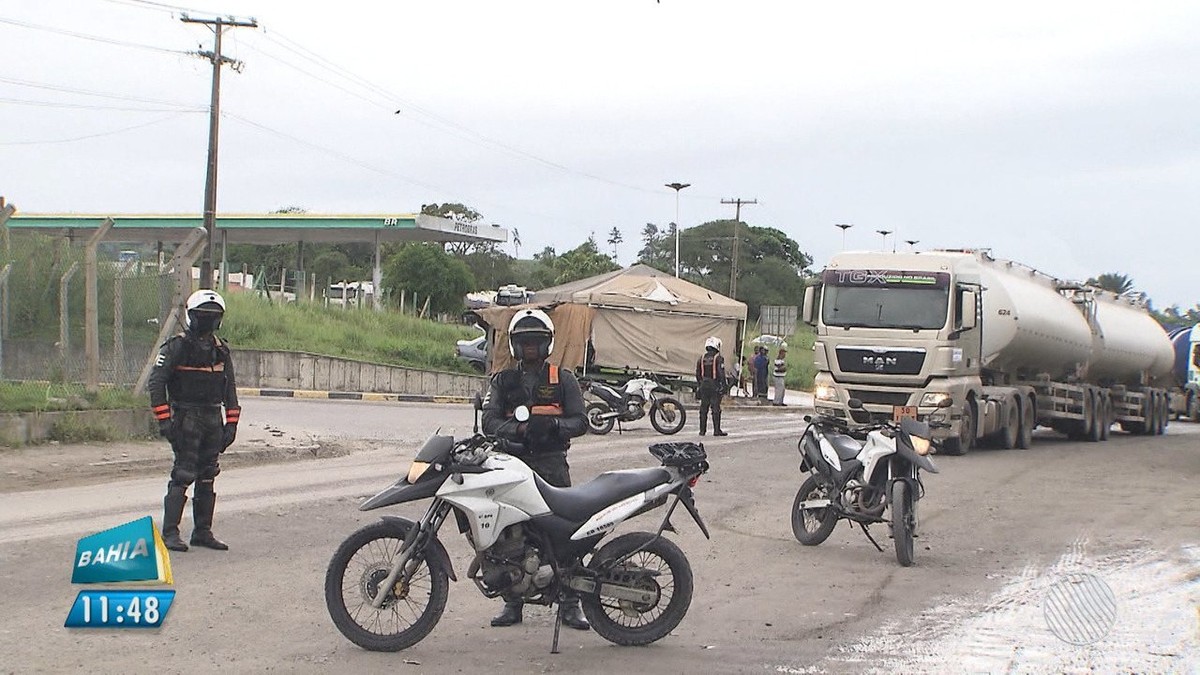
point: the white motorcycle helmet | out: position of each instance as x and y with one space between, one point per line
531 324
204 310
713 342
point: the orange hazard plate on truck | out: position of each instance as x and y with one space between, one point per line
899 412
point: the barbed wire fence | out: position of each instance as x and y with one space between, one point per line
69 317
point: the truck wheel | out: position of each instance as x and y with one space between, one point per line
1096 403
1028 421
1164 413
1106 417
966 433
1193 408
1011 431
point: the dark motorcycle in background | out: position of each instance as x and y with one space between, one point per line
629 404
865 473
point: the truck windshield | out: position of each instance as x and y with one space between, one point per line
886 299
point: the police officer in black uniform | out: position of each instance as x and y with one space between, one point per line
191 381
710 375
555 404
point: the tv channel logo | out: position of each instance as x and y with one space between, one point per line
133 552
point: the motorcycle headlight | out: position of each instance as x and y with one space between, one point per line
826 393
920 445
933 398
416 470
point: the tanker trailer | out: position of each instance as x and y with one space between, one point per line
1185 392
1011 347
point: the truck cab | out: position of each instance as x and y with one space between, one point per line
897 332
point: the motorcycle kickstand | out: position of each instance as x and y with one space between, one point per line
870 538
558 616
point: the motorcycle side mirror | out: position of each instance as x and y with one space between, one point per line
521 413
854 404
477 401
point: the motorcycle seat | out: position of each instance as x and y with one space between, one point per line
847 447
580 502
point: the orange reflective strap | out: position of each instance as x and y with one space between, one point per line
553 374
554 409
219 368
232 415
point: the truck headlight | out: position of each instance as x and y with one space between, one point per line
933 398
825 393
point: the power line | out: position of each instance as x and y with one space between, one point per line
93 38
90 92
98 135
85 106
157 6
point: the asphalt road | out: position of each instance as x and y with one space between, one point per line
1000 530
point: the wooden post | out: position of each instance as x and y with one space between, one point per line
6 212
185 254
91 314
3 312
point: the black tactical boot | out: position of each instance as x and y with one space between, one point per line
717 431
572 615
172 513
203 504
510 615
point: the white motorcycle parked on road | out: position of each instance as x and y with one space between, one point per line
628 404
387 585
873 480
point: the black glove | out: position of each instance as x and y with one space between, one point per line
228 435
541 428
166 429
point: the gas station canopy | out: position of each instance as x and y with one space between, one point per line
276 228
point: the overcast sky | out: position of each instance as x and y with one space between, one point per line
1062 135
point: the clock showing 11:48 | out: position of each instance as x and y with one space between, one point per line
120 609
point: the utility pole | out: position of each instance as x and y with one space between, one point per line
218 26
737 219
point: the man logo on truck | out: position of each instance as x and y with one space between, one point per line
880 362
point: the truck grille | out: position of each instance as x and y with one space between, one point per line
881 397
885 361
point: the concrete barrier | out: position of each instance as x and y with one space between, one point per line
38 427
262 369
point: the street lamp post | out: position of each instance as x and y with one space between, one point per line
912 243
885 233
677 187
843 227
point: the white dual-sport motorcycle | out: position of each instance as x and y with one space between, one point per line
387 585
865 473
628 404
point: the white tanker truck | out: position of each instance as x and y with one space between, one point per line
1011 347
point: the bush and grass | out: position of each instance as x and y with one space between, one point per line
45 397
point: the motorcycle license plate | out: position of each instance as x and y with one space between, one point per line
899 412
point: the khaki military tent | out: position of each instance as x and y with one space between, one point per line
637 318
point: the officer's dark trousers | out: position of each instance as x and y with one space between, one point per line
197 447
710 399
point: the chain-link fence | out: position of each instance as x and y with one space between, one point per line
44 315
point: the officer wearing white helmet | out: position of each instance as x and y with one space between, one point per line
555 403
191 382
710 376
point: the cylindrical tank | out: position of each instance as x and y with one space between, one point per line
1128 343
1029 327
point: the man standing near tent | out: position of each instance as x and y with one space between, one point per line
710 375
760 363
780 374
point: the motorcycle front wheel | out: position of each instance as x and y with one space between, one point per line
597 424
658 566
902 522
410 610
812 526
667 415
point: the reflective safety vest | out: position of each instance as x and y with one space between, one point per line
547 398
708 366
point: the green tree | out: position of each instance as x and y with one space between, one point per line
582 262
426 271
1112 281
614 238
